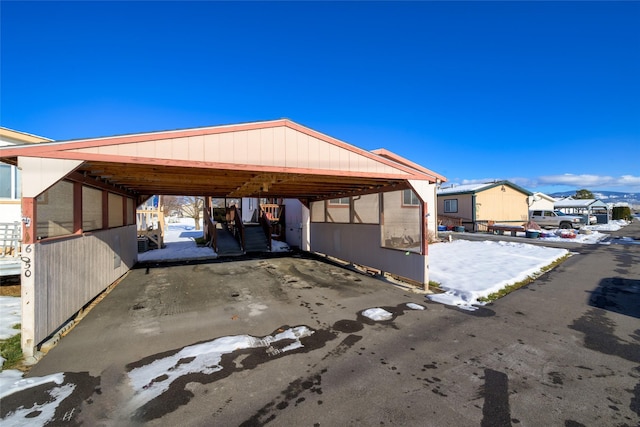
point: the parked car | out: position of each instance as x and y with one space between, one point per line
555 219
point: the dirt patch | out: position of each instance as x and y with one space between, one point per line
10 286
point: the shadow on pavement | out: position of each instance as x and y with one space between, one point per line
618 295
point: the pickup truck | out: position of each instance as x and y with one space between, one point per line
555 219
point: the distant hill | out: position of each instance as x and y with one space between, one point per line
607 196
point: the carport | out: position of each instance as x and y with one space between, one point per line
79 199
586 208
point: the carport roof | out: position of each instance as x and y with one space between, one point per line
278 158
579 203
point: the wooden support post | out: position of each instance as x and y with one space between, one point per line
27 279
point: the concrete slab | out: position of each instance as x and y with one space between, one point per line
162 308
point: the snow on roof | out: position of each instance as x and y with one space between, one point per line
544 196
466 188
578 203
473 188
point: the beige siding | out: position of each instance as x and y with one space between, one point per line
503 204
270 147
301 142
38 174
72 272
464 206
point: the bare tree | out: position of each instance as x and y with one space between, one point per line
170 204
191 207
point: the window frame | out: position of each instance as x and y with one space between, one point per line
413 196
340 202
14 183
447 206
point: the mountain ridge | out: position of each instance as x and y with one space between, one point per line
606 196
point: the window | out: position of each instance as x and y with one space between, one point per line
401 228
131 212
115 211
451 205
55 211
91 208
366 209
409 198
338 210
341 201
317 212
9 182
5 182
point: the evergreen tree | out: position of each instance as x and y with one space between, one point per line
584 194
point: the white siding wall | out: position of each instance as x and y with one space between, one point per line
542 204
10 211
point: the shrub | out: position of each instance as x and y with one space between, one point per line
621 212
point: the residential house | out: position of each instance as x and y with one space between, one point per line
10 175
541 201
474 205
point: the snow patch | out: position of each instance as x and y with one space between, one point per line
377 314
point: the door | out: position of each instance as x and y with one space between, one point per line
293 221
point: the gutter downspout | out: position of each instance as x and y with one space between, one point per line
473 212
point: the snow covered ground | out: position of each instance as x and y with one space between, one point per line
9 316
466 270
470 270
179 238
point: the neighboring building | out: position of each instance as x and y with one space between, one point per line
473 205
541 201
584 207
10 176
10 203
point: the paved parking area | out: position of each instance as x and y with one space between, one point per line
285 341
161 308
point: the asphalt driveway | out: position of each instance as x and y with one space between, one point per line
565 350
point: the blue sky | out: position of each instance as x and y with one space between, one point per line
545 94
